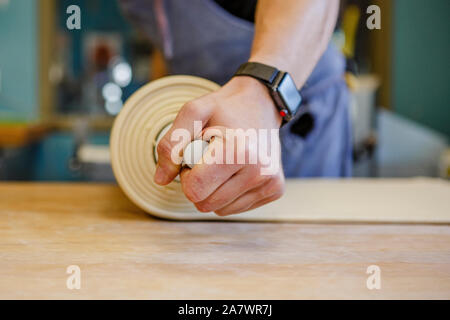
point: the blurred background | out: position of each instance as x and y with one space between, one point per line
60 89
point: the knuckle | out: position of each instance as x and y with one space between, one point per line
264 193
192 109
258 179
279 186
191 195
189 106
164 148
275 186
193 188
279 193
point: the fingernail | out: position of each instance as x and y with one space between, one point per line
160 176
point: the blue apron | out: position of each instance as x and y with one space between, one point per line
200 38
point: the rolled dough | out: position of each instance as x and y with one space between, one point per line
152 108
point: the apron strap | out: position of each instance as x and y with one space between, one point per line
164 28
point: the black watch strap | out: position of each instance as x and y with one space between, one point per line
259 71
282 88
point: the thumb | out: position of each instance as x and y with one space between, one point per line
191 119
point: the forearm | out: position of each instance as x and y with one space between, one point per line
293 34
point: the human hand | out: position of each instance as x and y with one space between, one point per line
243 103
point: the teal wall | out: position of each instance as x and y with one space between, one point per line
47 160
421 62
51 157
19 61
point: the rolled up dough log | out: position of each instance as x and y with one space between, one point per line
152 108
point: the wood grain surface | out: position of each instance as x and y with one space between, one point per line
124 253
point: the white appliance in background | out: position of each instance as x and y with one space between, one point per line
402 148
406 148
363 90
94 162
97 154
444 165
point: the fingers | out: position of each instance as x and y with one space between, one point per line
270 191
242 182
171 145
201 181
263 202
213 172
229 188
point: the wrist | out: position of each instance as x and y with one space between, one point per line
258 92
280 84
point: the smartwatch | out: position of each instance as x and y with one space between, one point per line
281 86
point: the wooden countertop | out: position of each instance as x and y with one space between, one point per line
124 253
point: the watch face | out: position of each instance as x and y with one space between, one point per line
289 94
